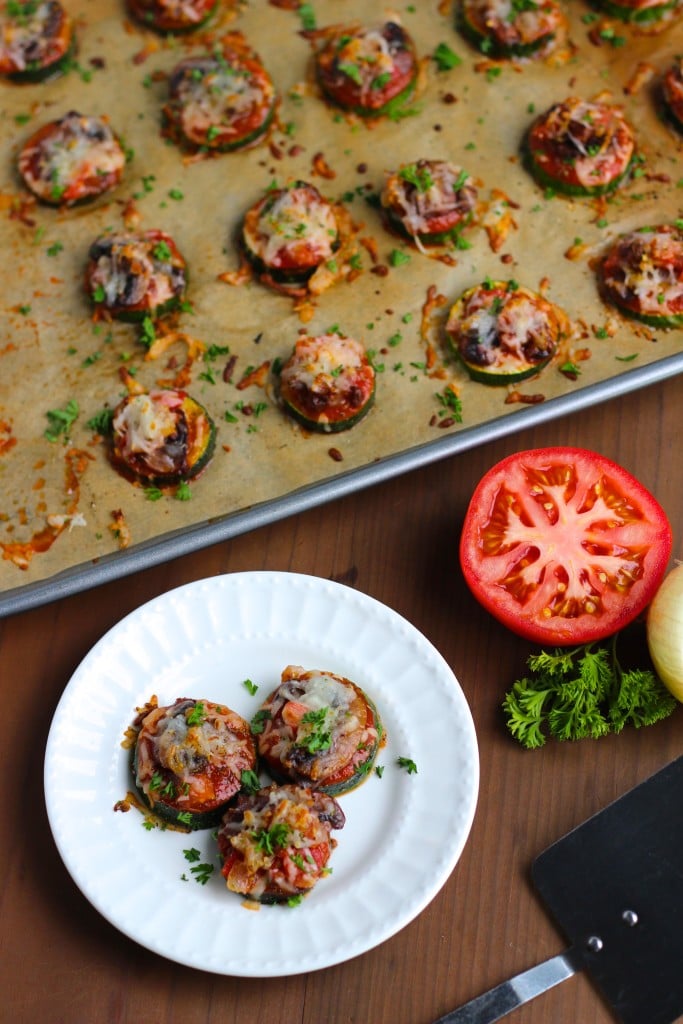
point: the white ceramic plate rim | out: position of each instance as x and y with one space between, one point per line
404 832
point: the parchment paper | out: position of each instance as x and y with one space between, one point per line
52 352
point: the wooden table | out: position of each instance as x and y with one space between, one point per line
61 963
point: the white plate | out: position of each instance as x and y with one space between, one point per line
404 832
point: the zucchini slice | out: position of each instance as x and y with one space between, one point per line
219 102
72 160
580 148
507 29
318 729
429 201
36 40
172 16
275 844
503 333
161 438
188 761
290 232
370 71
642 275
328 383
135 275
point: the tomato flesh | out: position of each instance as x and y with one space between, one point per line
563 546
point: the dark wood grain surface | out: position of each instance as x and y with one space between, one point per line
61 963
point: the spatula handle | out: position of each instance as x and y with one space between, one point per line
498 1001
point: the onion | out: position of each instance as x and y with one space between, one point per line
665 631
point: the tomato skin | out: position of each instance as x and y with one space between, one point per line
563 546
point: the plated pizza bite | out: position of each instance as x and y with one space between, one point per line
369 70
642 275
328 383
318 729
503 333
188 760
221 101
672 92
275 844
509 29
71 160
172 15
133 275
289 233
36 39
429 201
580 147
161 438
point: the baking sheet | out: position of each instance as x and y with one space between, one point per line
266 467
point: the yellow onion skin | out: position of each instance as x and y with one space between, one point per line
665 631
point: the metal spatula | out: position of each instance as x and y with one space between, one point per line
615 887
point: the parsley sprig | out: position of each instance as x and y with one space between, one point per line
580 693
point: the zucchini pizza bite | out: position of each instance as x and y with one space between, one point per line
161 438
188 760
36 39
642 275
134 275
672 92
429 202
328 383
580 147
508 29
642 12
289 233
219 102
368 70
172 15
71 160
503 332
275 844
318 729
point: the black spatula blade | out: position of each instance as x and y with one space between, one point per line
615 887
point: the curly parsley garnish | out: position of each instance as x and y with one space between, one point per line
581 693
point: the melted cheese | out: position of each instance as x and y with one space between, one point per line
26 33
143 423
298 217
369 54
649 271
79 147
323 360
218 97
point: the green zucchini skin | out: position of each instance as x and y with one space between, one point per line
547 181
483 332
335 427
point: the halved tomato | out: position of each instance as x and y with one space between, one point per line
563 546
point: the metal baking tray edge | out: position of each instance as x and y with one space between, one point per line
173 545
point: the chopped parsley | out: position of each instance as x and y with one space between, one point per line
61 420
